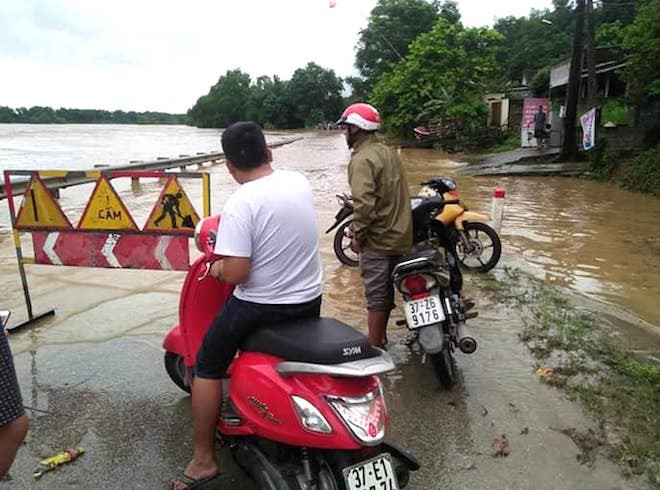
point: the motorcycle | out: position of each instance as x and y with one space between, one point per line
434 311
431 283
476 245
302 406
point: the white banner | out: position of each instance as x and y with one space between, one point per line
588 122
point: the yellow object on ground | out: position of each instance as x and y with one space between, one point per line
56 460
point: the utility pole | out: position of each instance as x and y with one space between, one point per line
569 145
592 85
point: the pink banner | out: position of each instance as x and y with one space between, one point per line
531 107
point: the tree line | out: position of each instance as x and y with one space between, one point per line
417 61
312 95
48 115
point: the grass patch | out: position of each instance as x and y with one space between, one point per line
615 112
643 173
512 142
620 392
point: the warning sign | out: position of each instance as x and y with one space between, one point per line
173 212
39 209
105 211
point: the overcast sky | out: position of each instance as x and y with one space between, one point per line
162 55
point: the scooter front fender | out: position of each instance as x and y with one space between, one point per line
470 216
174 342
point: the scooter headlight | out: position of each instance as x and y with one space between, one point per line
365 416
310 416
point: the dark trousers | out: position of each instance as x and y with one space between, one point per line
235 322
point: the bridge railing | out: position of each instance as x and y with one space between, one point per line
69 179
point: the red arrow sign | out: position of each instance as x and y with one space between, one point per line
126 251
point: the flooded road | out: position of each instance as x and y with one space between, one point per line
93 374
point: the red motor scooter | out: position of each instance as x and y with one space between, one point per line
302 406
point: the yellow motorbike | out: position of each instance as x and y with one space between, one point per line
463 233
478 246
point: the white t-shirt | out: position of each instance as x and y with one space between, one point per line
272 220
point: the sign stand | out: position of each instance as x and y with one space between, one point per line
106 232
21 267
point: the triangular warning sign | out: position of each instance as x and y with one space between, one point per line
39 209
173 212
105 211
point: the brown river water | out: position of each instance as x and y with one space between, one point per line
596 240
95 368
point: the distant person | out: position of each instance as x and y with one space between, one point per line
540 119
13 420
382 219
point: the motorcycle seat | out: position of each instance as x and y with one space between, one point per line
311 340
419 261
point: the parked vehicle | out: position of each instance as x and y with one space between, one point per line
434 310
475 244
303 407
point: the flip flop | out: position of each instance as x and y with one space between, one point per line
191 483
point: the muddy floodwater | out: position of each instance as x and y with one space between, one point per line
93 373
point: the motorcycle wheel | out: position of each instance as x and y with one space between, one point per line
443 365
482 238
176 368
342 246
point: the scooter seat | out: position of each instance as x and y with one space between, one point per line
312 340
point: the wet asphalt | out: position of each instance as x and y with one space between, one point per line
113 398
93 375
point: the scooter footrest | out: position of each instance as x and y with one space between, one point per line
229 415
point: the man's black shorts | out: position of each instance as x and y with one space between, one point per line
235 322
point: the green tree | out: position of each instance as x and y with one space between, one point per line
269 103
642 42
226 102
541 83
314 92
610 34
444 76
534 42
8 115
392 26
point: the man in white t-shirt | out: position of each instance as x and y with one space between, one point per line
269 242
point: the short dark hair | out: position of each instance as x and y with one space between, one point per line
244 145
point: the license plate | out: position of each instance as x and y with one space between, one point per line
373 474
424 311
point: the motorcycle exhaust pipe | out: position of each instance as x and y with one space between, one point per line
466 343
